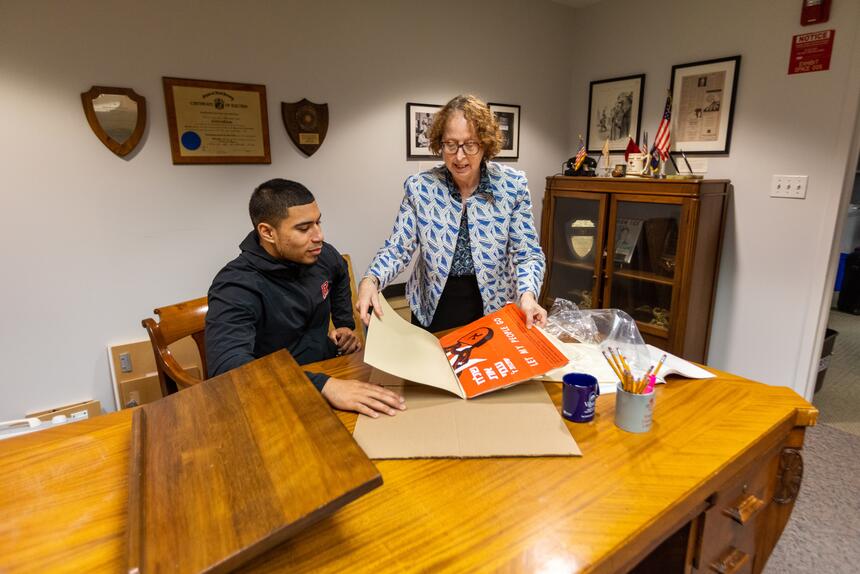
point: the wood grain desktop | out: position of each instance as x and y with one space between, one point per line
224 471
676 499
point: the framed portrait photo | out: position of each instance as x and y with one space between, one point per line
614 112
703 104
508 117
419 118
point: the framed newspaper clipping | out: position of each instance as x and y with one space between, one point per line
216 122
703 104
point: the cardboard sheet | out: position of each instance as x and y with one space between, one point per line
518 421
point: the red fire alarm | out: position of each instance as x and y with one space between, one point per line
814 12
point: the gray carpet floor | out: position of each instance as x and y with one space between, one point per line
823 534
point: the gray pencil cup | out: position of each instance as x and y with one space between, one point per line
633 412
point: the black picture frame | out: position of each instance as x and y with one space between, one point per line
419 117
614 108
508 117
701 120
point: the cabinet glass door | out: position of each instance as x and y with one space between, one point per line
642 268
575 251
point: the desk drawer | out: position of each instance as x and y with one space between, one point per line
731 525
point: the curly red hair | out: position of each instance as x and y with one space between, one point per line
478 114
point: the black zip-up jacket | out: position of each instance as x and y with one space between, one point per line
259 304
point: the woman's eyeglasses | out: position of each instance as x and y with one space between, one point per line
469 148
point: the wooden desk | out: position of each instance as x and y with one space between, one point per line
662 497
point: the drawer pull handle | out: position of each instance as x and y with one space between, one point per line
744 508
731 562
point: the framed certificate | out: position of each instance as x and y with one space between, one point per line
217 122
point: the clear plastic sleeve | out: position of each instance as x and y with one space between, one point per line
606 328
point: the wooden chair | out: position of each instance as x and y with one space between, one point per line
359 326
176 322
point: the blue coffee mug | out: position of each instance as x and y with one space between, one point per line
578 397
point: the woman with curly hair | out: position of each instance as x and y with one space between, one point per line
471 222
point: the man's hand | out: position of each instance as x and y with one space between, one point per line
535 314
345 339
365 398
368 296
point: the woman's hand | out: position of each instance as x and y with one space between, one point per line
368 296
535 314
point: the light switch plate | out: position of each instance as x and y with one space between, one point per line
789 186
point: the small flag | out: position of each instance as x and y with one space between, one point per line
661 140
580 155
631 148
654 161
605 153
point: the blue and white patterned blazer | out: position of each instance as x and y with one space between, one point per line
505 250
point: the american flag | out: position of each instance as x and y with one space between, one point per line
580 155
661 140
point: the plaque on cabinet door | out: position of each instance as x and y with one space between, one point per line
306 124
580 237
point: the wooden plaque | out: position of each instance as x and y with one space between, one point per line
225 470
306 124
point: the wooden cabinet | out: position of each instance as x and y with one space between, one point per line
648 247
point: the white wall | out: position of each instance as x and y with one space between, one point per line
776 252
91 243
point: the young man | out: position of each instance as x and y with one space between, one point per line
280 292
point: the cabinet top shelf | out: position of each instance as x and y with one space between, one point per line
634 185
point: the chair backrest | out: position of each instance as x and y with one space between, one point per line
176 322
359 326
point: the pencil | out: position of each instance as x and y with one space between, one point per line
617 362
660 364
626 366
611 364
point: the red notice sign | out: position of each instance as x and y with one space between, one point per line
811 52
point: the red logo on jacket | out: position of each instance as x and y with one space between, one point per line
324 289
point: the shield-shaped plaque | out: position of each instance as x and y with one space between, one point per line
580 234
116 115
307 124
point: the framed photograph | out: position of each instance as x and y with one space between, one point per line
217 122
419 118
508 117
614 112
703 103
626 237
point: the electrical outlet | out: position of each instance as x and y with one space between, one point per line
125 362
791 186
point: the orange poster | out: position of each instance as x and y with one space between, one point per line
498 351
